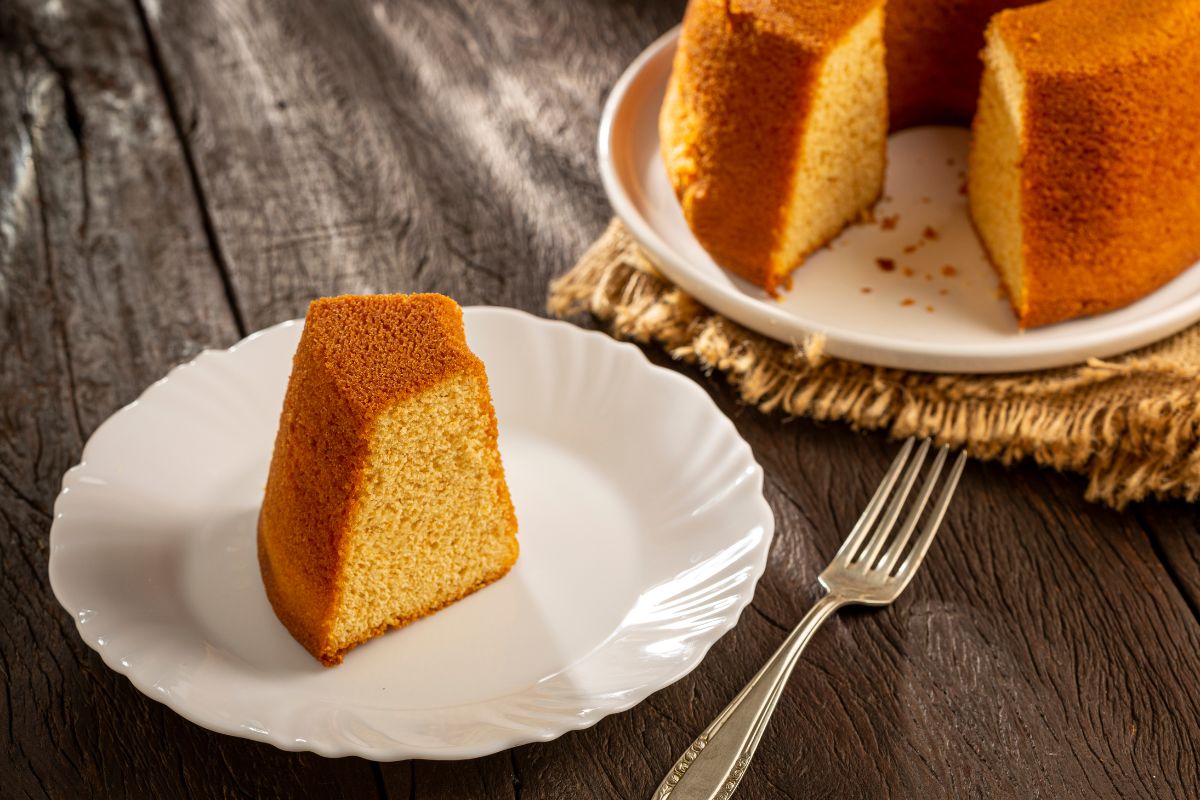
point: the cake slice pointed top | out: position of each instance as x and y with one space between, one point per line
386 497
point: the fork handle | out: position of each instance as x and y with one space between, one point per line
712 766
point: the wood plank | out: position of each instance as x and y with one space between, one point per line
490 776
364 147
106 281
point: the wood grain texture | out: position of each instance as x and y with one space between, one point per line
366 147
182 170
1027 659
106 281
1174 530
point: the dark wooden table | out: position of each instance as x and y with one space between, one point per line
174 175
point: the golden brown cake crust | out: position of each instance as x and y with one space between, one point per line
1111 150
382 349
357 357
297 622
331 658
743 68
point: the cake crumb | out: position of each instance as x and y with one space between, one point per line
908 272
928 309
886 264
866 290
928 276
889 223
908 301
949 270
962 188
926 200
930 232
910 248
943 291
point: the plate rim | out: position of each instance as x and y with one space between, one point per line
871 349
336 746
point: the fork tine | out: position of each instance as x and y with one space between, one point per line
909 567
871 551
896 546
871 512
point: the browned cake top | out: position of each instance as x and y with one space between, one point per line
380 349
1088 36
817 23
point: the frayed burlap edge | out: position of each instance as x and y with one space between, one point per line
1129 424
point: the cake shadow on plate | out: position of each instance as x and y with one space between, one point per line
224 594
221 591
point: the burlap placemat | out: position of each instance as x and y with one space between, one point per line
1129 424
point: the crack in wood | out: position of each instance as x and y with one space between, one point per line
518 785
206 221
60 322
380 783
75 125
774 623
1177 581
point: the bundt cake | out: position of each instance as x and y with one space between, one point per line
386 498
1084 173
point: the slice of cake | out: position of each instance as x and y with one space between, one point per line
774 128
386 497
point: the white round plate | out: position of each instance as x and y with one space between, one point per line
921 315
643 530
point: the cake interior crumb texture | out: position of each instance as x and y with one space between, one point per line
843 149
994 173
386 497
428 529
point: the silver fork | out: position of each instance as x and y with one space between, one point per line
863 572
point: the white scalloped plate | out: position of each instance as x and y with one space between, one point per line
643 531
924 317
